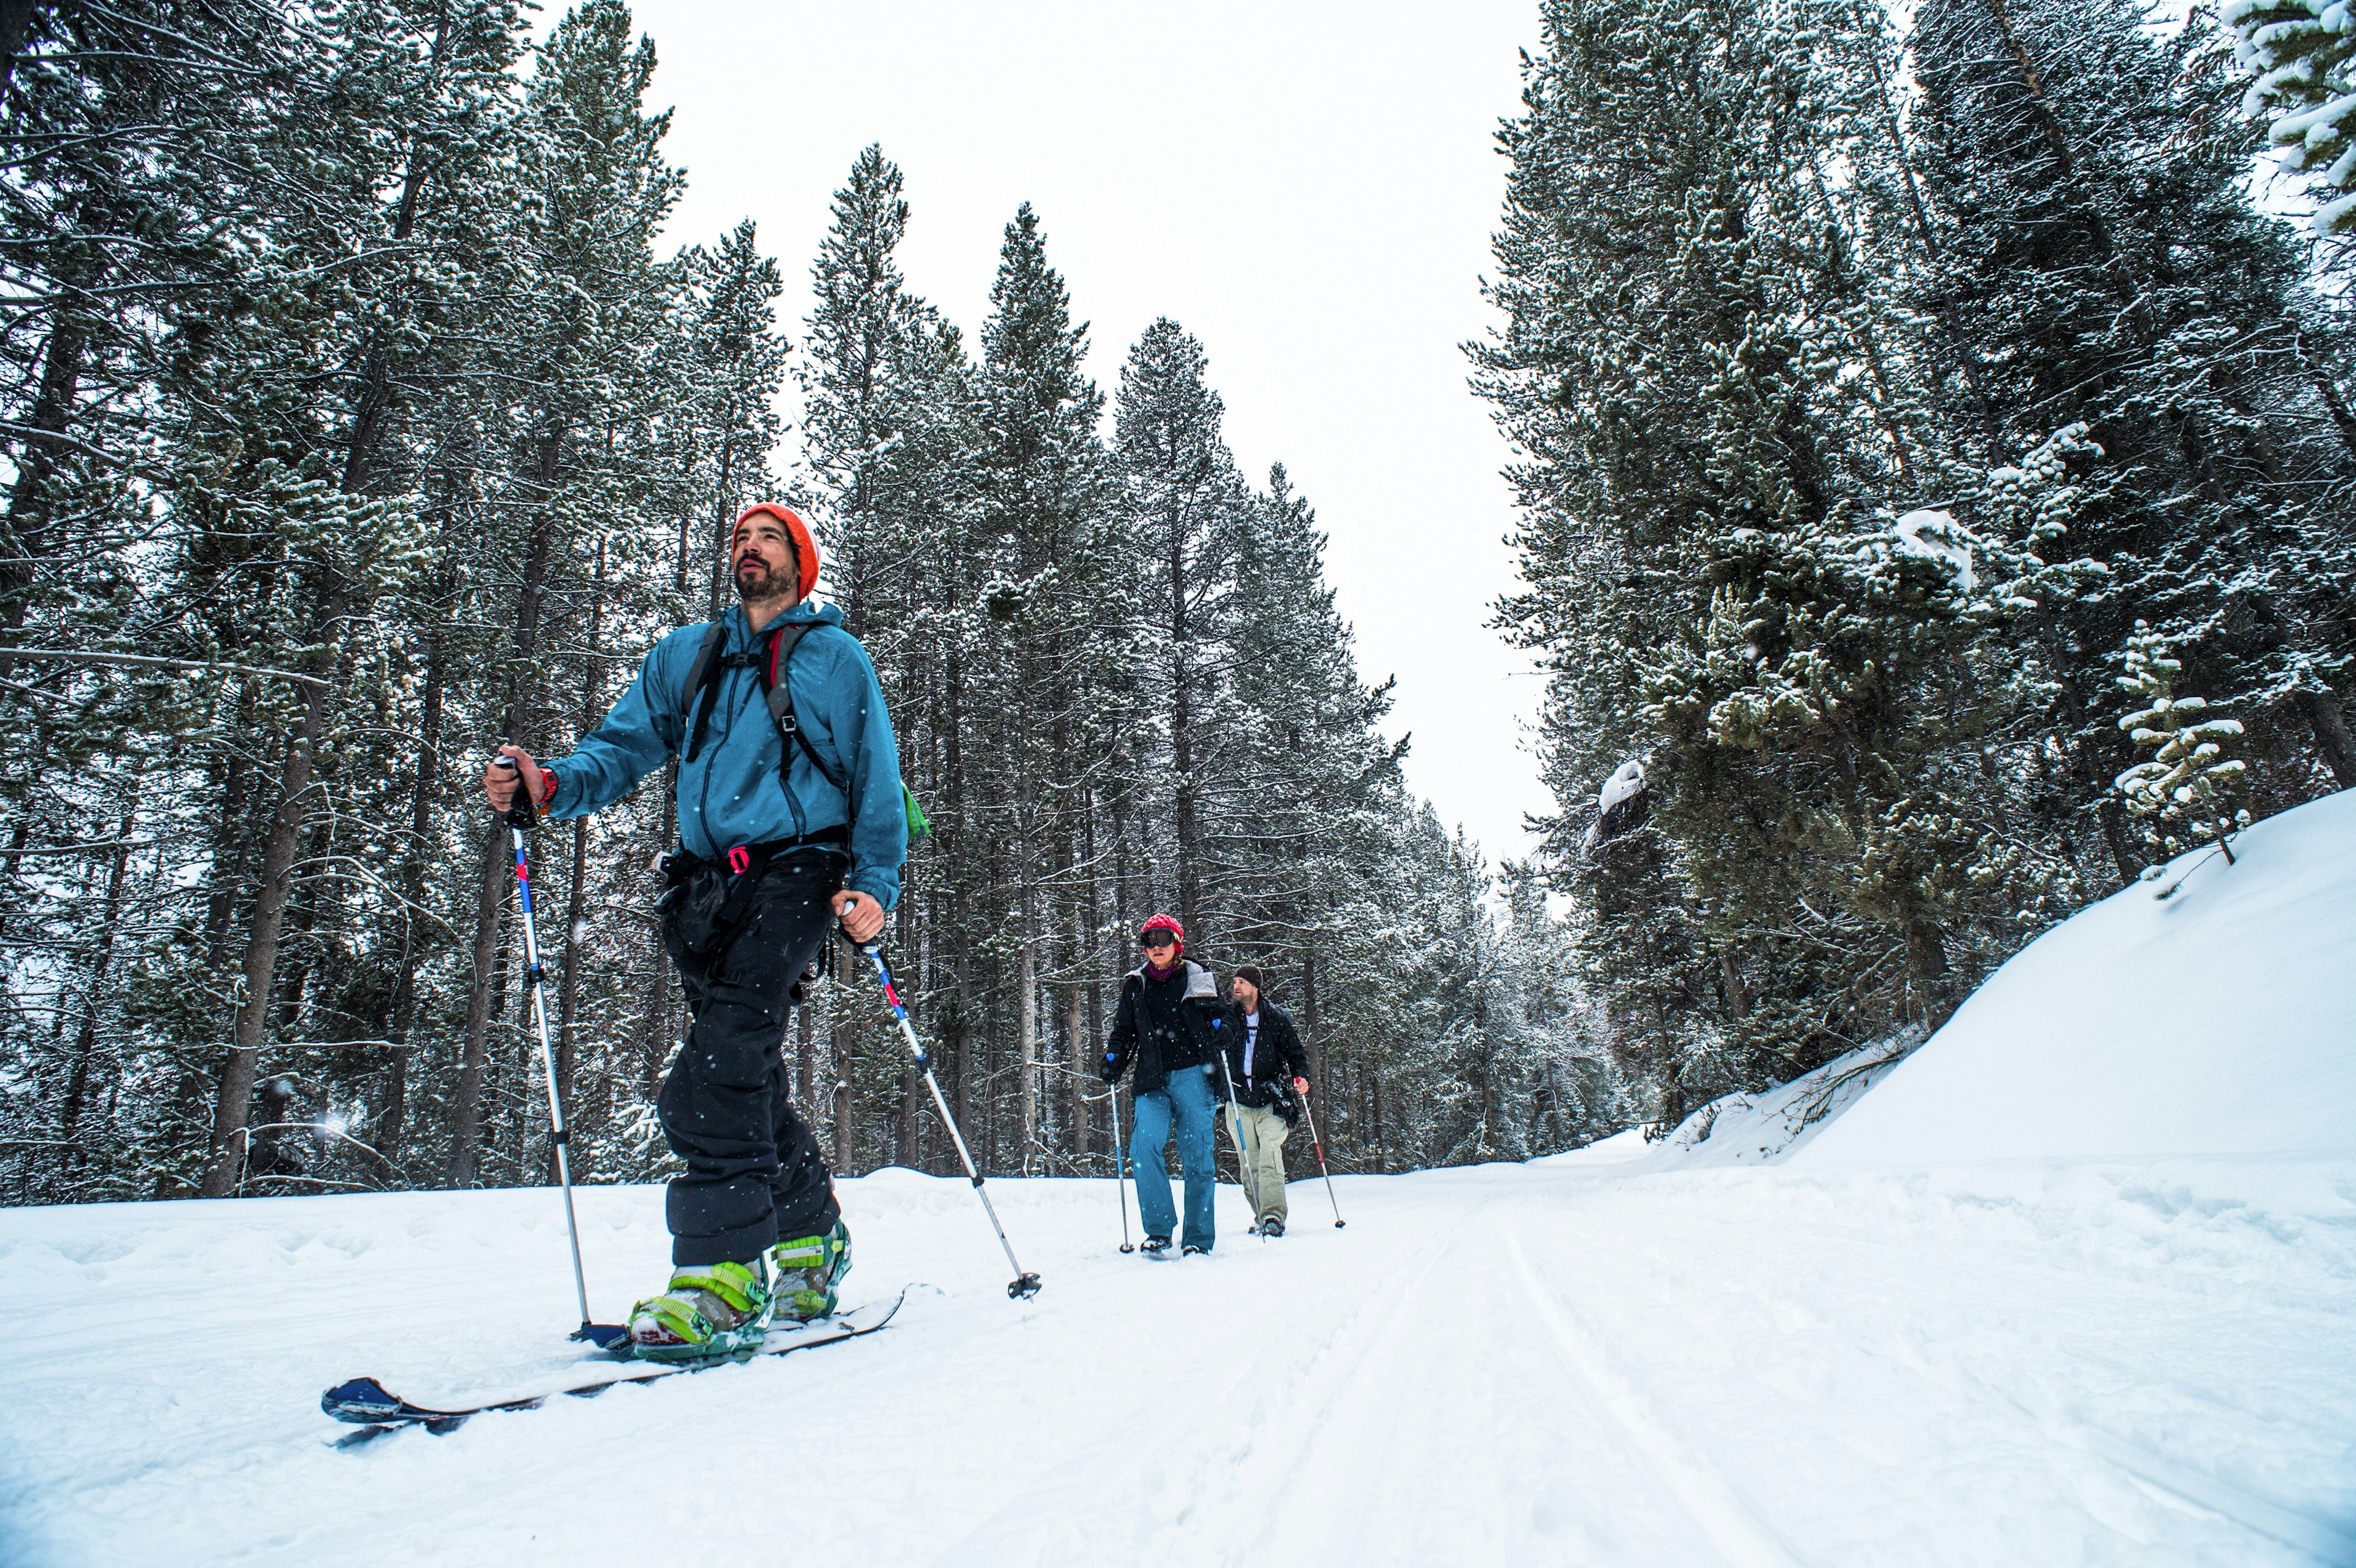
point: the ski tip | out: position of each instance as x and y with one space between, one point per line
362 1399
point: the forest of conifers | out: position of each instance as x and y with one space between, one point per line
1880 401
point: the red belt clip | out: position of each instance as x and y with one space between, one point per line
739 860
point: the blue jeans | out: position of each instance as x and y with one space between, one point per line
1187 1094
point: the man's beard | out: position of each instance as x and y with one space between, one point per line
772 583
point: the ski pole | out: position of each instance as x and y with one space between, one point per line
1236 1131
518 819
1311 1117
1120 1168
1023 1285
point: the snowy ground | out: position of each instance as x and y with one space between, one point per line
1554 1364
2074 1283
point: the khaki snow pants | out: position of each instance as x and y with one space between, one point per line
1259 1134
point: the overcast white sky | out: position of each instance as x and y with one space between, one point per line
1307 188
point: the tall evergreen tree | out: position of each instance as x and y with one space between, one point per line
1182 503
2098 261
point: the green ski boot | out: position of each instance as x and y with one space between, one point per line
715 1309
809 1268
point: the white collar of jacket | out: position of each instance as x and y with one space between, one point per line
1200 986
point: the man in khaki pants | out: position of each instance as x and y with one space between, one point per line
1271 1073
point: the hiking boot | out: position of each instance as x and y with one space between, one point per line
715 1309
808 1270
1271 1226
1189 1249
1154 1246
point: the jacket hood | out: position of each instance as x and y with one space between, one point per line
806 613
1201 985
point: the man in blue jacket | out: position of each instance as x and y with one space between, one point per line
790 817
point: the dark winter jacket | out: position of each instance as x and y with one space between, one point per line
734 792
1277 1058
1164 1025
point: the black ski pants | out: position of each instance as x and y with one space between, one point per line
754 1171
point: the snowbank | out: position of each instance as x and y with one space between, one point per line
2219 1020
1760 1129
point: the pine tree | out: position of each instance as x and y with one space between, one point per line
1052 555
1725 414
2188 773
890 472
2299 57
2098 261
1182 500
597 305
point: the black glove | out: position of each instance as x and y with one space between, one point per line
1110 1071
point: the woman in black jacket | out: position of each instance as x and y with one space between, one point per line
1169 1022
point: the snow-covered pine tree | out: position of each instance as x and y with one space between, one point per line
2093 255
889 470
1721 402
1300 732
595 309
296 436
2184 793
2298 58
1181 502
1055 646
131 192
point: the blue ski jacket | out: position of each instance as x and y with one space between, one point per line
732 794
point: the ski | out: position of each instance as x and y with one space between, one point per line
375 1410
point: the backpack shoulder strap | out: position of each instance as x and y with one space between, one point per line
704 684
782 643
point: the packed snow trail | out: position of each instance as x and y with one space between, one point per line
1562 1362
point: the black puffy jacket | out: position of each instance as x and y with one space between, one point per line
1277 1057
1164 1025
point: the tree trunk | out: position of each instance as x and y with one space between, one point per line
654 1036
842 1120
2330 723
465 1106
1182 729
86 1042
1926 960
230 1107
1076 1055
1026 976
28 519
1310 1036
229 835
393 1115
16 33
465 1109
576 901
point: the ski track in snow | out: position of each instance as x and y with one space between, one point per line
2015 1363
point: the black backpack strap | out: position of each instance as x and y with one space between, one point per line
782 643
703 685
